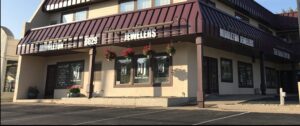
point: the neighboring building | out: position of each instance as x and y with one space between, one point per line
9 62
222 47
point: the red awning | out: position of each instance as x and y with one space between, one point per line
173 20
214 20
182 19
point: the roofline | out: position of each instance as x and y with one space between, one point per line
37 10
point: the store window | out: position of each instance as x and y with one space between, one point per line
143 4
242 17
162 2
10 76
126 6
141 74
123 70
147 71
74 16
245 75
161 64
271 78
69 73
226 70
131 5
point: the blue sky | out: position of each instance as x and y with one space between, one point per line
15 12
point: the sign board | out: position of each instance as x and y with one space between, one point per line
140 34
90 41
281 53
235 37
51 46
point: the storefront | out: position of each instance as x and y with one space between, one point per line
185 50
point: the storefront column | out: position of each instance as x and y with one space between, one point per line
92 54
294 77
200 92
262 73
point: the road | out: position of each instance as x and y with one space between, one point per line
49 114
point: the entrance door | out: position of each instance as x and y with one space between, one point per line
50 82
210 75
287 82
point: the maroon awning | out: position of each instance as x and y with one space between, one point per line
214 20
170 21
173 20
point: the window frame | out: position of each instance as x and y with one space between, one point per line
73 11
150 82
136 5
265 29
131 72
70 62
170 82
239 73
243 17
134 63
230 80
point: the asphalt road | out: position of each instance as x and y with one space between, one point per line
45 114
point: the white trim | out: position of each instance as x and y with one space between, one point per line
51 6
60 5
55 6
65 3
69 2
73 2
48 7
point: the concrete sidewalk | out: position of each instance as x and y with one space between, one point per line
249 103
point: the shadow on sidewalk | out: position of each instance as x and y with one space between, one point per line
289 100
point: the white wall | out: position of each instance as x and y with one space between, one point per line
31 72
105 82
233 88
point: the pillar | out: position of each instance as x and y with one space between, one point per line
200 92
262 74
92 54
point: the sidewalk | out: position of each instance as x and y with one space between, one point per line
249 103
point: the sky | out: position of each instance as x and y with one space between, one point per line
14 13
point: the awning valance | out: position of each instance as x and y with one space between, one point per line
215 23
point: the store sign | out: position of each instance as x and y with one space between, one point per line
235 37
282 54
90 41
51 46
143 34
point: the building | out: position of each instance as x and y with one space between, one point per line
222 47
9 62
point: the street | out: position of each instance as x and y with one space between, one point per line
53 114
